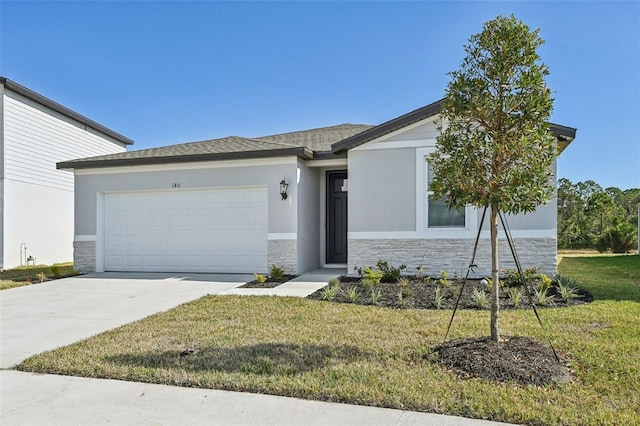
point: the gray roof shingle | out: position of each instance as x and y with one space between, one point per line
301 144
318 140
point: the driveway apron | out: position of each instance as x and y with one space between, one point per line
45 316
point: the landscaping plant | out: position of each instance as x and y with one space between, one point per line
495 149
276 272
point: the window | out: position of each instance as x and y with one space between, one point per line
438 214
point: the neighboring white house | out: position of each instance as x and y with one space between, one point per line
355 194
36 199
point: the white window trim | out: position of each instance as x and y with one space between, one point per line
471 213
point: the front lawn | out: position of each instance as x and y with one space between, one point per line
378 356
7 284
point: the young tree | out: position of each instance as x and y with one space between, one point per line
495 149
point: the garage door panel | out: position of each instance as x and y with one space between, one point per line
190 231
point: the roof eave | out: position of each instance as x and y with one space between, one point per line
300 152
38 98
564 134
387 127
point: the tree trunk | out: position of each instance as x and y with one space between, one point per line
495 280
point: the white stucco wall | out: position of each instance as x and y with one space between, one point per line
37 206
90 185
387 204
308 215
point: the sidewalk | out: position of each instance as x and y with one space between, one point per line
37 399
75 308
301 286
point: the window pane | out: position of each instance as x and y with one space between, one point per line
429 173
440 216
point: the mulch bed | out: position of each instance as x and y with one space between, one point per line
270 283
520 360
417 294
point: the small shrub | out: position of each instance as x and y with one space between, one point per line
567 287
352 294
515 296
621 237
375 296
359 271
260 278
454 292
427 280
370 274
56 270
334 282
369 283
276 272
41 276
512 277
545 282
439 297
390 274
403 282
480 298
443 281
331 291
540 297
420 270
402 299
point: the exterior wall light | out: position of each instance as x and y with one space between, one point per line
283 189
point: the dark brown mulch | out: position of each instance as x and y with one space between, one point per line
270 283
417 294
512 359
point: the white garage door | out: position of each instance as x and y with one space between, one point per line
186 231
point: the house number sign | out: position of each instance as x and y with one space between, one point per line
175 185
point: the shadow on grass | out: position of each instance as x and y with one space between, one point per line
263 358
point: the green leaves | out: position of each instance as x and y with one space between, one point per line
496 147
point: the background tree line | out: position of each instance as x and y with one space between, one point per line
590 217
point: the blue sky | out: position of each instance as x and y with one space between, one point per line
171 72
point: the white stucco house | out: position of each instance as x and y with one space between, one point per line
36 199
354 194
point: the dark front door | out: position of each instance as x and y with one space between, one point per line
337 217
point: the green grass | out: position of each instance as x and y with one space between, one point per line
606 277
376 356
25 273
7 284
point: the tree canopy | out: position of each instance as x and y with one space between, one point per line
496 148
591 217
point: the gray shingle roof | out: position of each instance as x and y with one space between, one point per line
318 140
324 142
301 144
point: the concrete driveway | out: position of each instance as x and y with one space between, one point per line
45 316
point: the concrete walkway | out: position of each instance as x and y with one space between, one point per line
35 399
45 316
301 286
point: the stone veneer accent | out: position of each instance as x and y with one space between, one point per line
284 254
84 256
452 255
